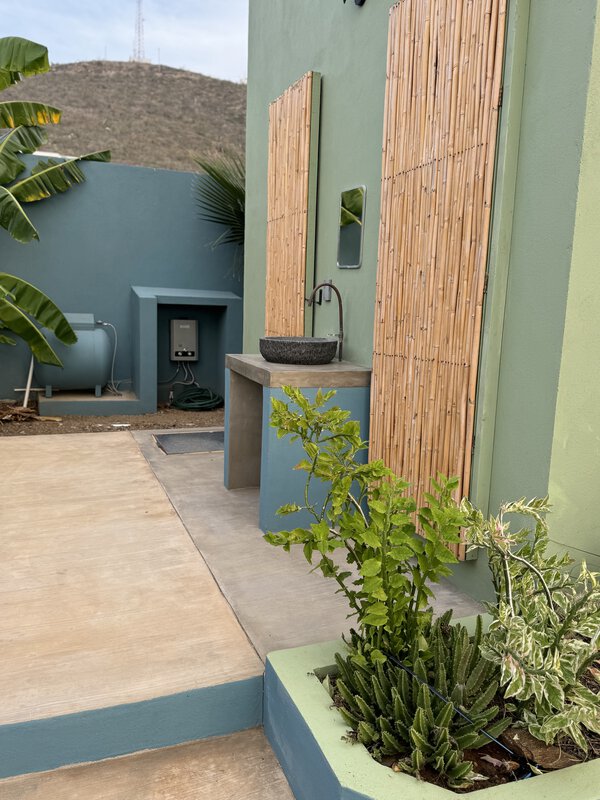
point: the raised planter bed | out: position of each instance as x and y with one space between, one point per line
307 735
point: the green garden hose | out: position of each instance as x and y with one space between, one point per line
195 398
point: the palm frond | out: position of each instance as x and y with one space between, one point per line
221 195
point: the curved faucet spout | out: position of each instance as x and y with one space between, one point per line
311 300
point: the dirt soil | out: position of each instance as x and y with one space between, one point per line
15 424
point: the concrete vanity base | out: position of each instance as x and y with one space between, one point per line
254 456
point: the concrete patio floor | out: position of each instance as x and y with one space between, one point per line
279 602
130 577
103 596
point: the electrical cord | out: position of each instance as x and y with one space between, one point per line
172 378
188 376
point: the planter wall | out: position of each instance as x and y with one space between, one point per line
308 737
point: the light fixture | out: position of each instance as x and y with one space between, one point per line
358 2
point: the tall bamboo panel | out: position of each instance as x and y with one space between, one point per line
443 90
287 208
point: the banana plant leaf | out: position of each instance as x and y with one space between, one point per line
33 301
22 326
20 58
18 299
14 219
52 177
12 145
351 207
23 112
47 178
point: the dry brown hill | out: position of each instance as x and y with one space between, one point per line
146 114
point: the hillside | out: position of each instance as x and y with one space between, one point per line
146 114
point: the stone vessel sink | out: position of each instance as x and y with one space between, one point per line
305 350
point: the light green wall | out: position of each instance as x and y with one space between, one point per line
534 217
348 46
575 462
554 102
532 299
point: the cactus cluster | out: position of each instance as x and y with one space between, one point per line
396 714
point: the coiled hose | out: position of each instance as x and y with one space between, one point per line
196 398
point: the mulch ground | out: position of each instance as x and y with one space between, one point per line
14 422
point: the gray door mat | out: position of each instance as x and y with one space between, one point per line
200 442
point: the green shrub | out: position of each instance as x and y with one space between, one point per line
368 514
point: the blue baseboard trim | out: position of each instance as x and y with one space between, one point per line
44 744
294 744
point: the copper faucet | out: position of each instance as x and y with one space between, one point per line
311 300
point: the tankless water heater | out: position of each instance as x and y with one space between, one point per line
184 340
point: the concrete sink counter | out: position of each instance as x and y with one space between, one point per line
254 456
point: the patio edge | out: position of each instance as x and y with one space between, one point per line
45 744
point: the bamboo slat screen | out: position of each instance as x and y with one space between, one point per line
287 208
443 89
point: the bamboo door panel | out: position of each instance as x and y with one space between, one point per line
443 88
293 120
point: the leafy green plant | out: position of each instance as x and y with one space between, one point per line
368 514
396 714
21 304
545 632
19 301
221 196
404 676
351 208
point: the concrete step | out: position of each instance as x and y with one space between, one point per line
86 403
237 767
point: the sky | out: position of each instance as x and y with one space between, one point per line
207 36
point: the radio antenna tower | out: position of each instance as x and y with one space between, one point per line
138 44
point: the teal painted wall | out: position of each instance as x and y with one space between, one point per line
124 226
348 46
575 461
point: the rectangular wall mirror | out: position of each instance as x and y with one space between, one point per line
352 215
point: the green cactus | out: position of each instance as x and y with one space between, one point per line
396 714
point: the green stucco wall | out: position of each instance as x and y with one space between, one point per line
529 272
575 462
549 142
348 46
